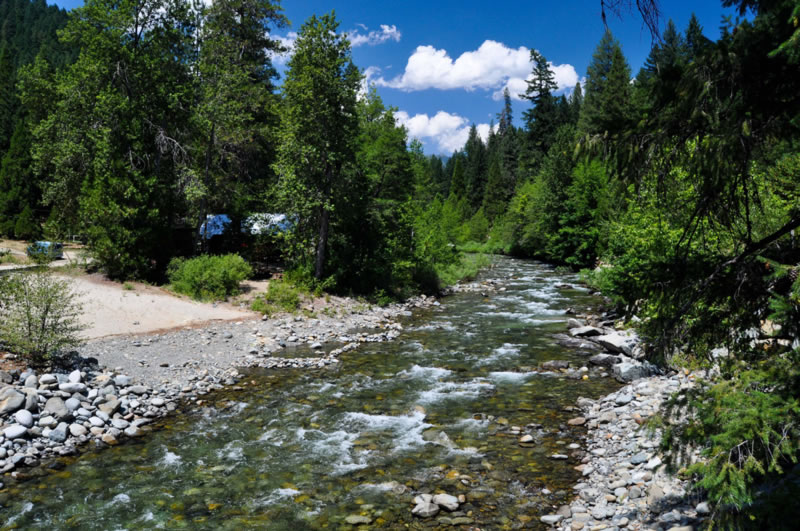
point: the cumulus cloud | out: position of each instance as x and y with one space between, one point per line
372 38
288 43
447 131
492 66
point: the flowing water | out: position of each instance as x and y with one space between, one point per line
431 412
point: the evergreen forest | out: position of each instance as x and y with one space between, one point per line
674 189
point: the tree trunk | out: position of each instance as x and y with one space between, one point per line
322 244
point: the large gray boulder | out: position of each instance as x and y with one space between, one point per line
622 343
10 400
56 407
630 370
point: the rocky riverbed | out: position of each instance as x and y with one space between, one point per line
50 414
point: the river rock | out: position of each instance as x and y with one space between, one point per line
72 387
122 381
617 342
109 439
357 519
72 404
77 430
120 424
59 433
554 365
6 378
56 407
24 417
425 509
109 407
15 431
31 381
585 331
577 421
96 422
48 379
551 519
75 376
446 501
10 400
138 389
628 371
604 360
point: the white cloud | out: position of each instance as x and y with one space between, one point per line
447 131
288 43
372 38
492 66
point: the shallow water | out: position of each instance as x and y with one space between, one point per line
304 449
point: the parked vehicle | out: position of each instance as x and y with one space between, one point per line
51 250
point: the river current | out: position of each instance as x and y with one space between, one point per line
433 411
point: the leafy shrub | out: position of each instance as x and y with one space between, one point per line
466 268
208 277
281 296
39 316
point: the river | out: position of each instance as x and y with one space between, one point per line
434 411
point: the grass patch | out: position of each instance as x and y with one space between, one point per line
281 296
466 268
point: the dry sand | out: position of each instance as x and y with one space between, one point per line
111 310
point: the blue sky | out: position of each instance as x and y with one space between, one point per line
444 63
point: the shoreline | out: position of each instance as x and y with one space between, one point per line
625 484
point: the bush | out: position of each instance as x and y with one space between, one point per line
39 314
208 277
280 296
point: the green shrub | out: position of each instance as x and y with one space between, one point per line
39 316
281 296
467 268
208 277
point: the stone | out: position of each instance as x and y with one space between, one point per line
24 417
109 407
554 365
31 381
10 400
551 519
72 404
627 371
157 402
120 424
122 381
316 345
48 379
639 458
133 431
48 422
425 509
59 433
703 508
6 378
75 376
77 430
623 399
15 431
446 501
31 399
357 519
138 389
653 464
72 387
97 422
526 439
655 496
109 439
56 407
559 457
585 331
604 360
617 342
577 421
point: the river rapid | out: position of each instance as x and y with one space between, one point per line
440 409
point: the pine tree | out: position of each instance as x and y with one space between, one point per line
9 104
544 118
605 104
475 169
